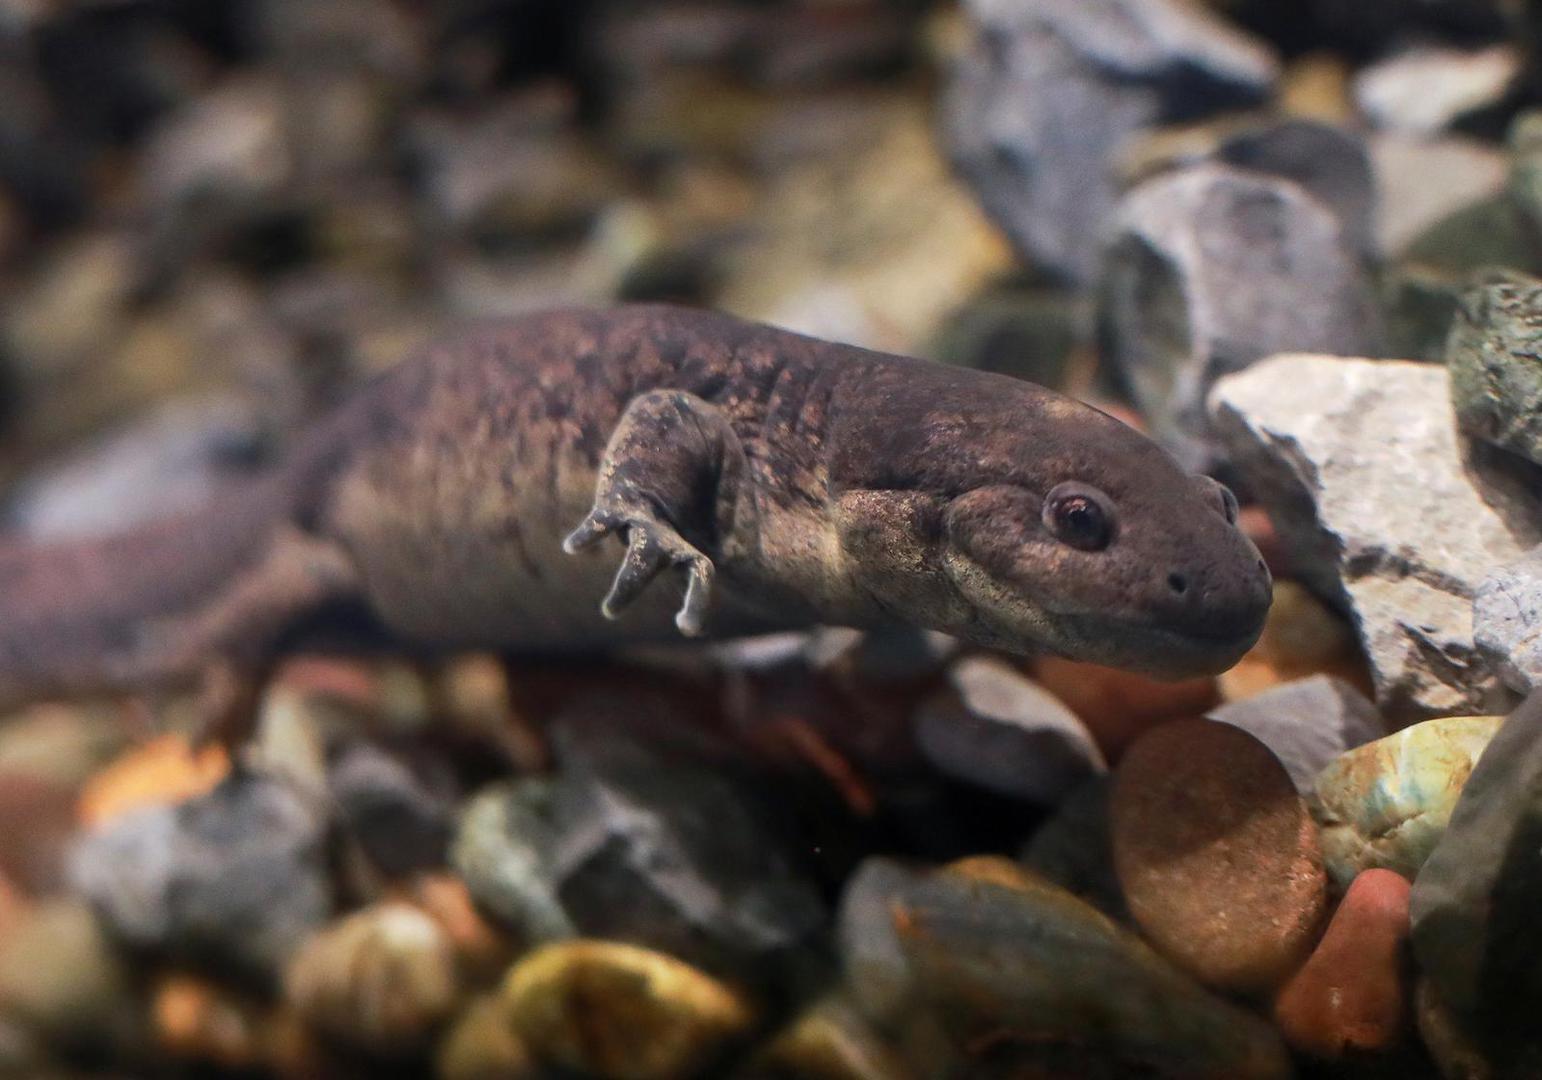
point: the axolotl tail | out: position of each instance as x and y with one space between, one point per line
93 613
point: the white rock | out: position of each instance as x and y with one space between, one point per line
1307 723
1424 91
1387 510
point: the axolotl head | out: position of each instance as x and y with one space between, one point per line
1018 518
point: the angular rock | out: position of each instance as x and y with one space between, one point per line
1050 89
1390 514
502 849
1494 355
1210 270
1507 621
1428 90
400 821
690 845
1475 930
997 728
1306 723
608 1009
1354 996
238 876
1217 855
1021 974
1423 180
1387 803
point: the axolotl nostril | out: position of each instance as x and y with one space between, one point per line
524 485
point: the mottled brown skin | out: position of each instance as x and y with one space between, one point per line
787 480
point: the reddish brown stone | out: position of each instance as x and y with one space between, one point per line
1353 995
1119 706
1217 854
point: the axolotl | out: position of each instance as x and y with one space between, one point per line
481 494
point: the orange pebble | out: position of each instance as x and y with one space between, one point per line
1117 706
1353 994
481 950
162 772
194 1020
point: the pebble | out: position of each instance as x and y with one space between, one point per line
197 1021
1422 180
1302 636
1073 849
1306 724
62 979
1475 901
996 728
162 772
238 875
382 979
482 951
1354 995
481 1045
1212 268
828 1041
622 1012
876 973
1020 973
502 850
1116 66
1327 444
399 817
1387 804
1217 855
1118 706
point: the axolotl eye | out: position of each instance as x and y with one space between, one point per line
1080 516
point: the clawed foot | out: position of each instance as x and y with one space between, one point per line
651 545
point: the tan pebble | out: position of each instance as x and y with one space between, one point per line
1353 994
622 1012
481 1044
382 978
1217 854
482 950
61 977
1301 637
1118 706
161 772
829 1041
195 1020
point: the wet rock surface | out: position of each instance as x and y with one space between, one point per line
1330 445
1496 370
1507 620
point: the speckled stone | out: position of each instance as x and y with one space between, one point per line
622 1012
1494 355
1386 804
1354 995
1217 854
1030 981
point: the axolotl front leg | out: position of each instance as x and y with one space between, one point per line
668 486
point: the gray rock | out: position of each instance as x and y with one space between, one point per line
1050 89
1525 174
1030 980
1212 269
166 463
668 849
1495 358
1388 512
872 960
238 876
502 850
1430 89
1307 723
1474 905
996 728
1074 849
1422 180
401 821
1507 621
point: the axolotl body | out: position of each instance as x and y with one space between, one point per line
479 496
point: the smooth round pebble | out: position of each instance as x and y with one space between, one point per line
1217 855
1353 994
383 978
480 1045
622 1012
